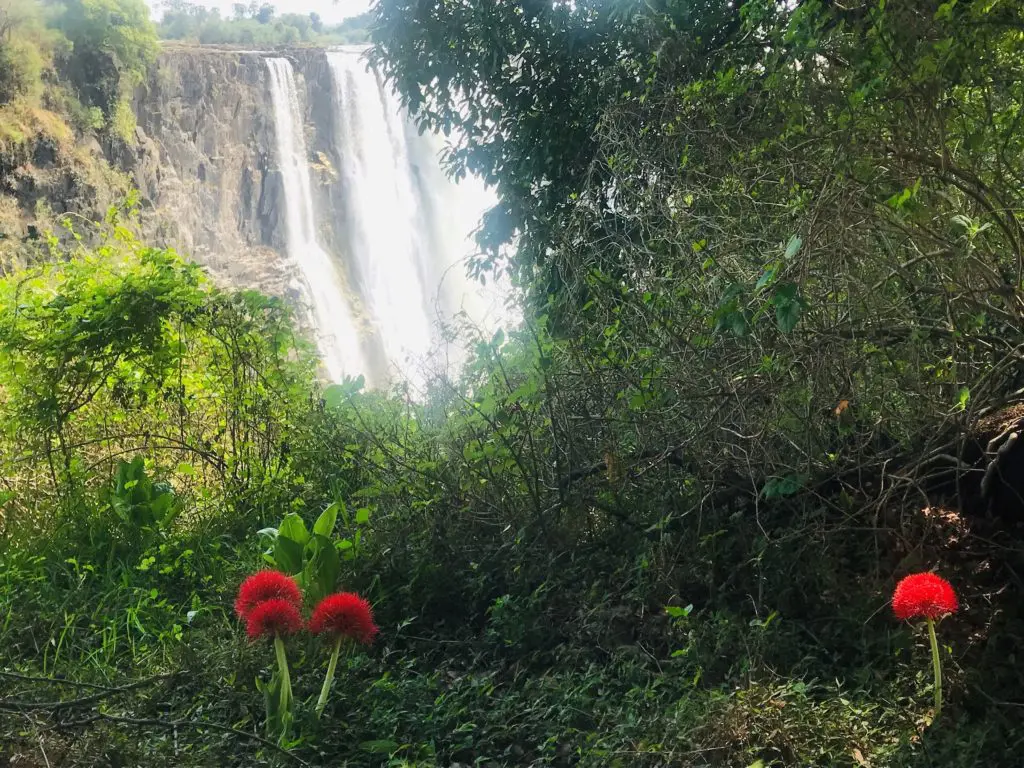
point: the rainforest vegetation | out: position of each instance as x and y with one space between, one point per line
770 261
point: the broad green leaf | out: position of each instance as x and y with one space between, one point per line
288 555
788 306
767 277
780 487
737 323
334 396
324 525
677 612
293 527
362 516
321 568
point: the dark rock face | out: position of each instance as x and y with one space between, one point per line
44 174
204 164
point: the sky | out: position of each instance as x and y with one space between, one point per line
330 11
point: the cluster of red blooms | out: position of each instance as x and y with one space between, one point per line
270 603
923 594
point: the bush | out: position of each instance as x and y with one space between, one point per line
21 66
113 43
25 50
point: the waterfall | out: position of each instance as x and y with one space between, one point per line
400 217
404 226
337 338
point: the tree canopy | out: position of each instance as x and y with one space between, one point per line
255 24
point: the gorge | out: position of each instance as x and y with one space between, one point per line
297 173
738 481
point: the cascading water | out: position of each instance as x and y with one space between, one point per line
409 224
337 337
384 237
406 226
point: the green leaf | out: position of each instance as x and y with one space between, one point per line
278 704
335 396
767 277
321 569
293 527
267 533
962 398
379 746
737 323
788 306
324 525
780 487
288 555
793 247
679 613
362 516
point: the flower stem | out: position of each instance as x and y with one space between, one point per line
937 668
321 703
286 685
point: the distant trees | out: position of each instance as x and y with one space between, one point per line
113 43
265 14
255 24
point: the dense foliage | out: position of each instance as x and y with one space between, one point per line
102 49
804 216
770 364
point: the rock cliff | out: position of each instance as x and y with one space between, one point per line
206 165
205 158
203 163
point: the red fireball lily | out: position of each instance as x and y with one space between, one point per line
923 594
269 603
343 616
932 597
273 618
266 585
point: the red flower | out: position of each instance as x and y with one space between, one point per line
344 614
274 617
923 594
266 585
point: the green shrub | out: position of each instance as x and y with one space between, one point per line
113 43
123 121
20 70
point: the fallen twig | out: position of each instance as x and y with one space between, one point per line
173 724
18 705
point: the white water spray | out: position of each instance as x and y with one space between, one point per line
337 337
407 227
